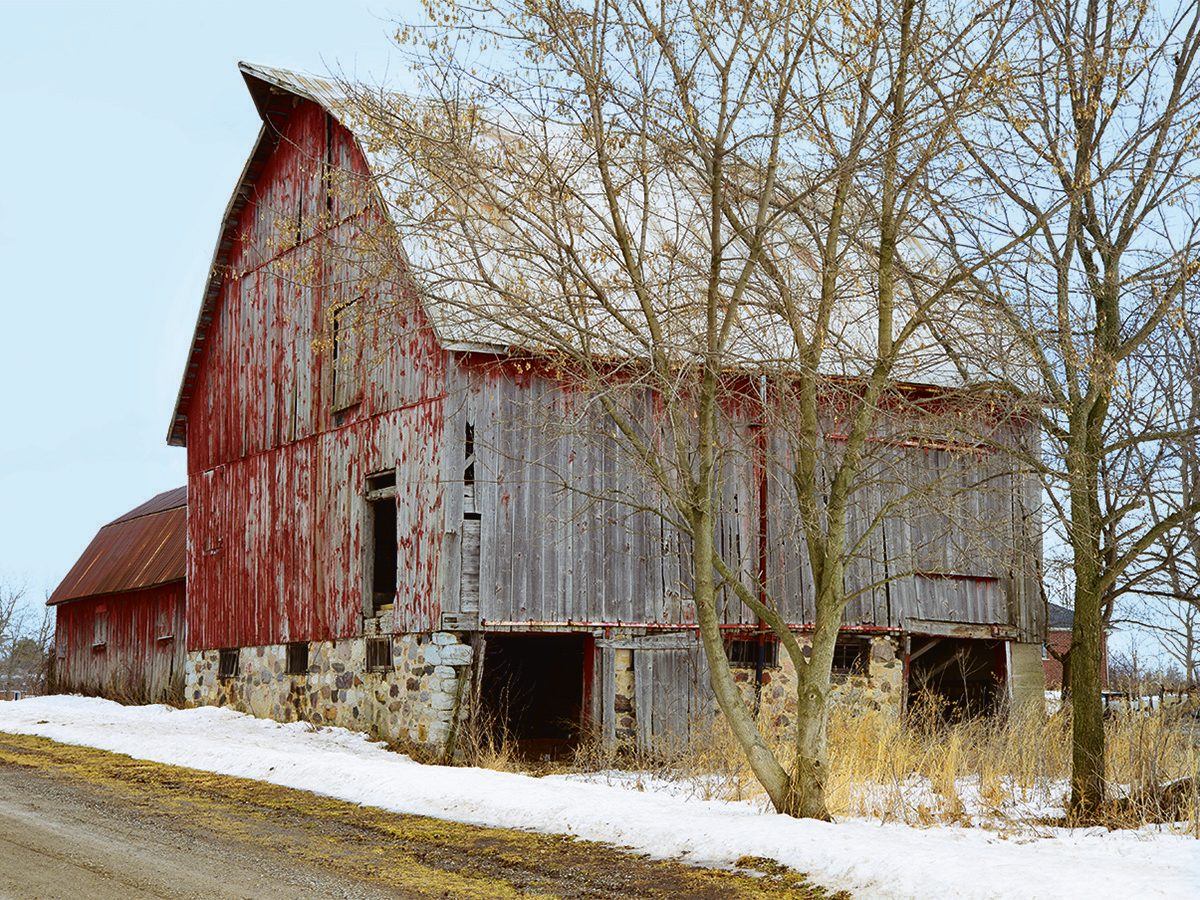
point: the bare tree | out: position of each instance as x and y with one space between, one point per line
1099 124
12 622
1164 584
12 612
717 206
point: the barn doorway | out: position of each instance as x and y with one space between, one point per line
532 691
966 676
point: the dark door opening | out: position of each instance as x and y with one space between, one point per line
966 675
532 691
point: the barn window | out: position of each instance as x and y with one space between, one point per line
100 628
60 650
470 510
347 381
380 546
379 654
850 656
163 628
227 664
297 659
743 654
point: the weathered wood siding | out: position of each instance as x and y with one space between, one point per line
567 528
276 469
140 657
560 525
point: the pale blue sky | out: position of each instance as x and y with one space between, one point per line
126 126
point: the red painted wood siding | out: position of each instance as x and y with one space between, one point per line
275 478
142 654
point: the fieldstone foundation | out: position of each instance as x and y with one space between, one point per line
624 699
417 702
678 705
421 700
880 687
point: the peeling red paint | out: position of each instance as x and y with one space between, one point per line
275 472
139 656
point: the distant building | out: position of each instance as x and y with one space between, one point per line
1059 622
120 610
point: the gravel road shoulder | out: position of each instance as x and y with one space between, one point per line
81 822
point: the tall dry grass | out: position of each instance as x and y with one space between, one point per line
927 766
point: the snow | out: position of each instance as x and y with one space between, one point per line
864 856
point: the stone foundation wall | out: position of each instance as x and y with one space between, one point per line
417 702
881 687
423 700
625 701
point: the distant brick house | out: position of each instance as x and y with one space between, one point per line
1058 641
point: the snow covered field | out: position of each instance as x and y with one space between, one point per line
866 857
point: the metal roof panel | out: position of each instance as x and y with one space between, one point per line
145 547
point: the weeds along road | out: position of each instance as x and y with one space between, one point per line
77 822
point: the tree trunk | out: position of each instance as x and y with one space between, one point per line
1087 712
811 766
770 774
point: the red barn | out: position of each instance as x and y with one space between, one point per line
120 610
378 531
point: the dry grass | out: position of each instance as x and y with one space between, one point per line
1001 771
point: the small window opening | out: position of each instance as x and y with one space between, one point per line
166 631
850 656
100 629
228 664
60 650
381 481
470 509
379 654
743 653
297 659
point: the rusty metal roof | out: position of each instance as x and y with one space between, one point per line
145 547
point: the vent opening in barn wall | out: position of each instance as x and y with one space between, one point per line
750 653
227 663
532 691
297 658
100 628
379 654
851 655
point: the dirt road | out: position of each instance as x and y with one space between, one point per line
77 822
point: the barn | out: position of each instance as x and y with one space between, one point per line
120 609
388 528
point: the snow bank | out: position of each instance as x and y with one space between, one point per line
868 858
